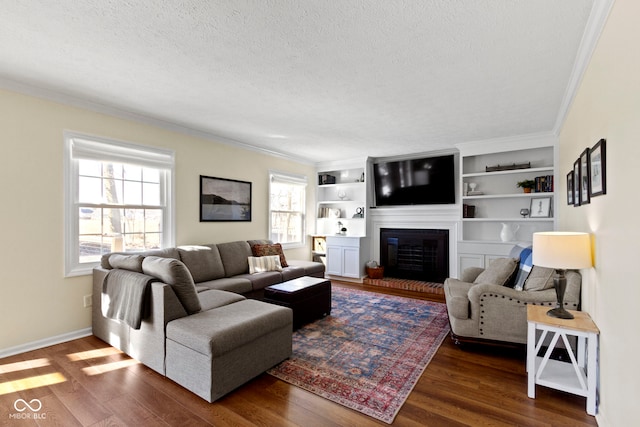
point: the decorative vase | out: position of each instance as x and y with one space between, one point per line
508 232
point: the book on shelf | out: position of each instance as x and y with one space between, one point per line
544 184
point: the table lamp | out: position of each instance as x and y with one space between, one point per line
561 251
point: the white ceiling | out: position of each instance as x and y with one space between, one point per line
317 80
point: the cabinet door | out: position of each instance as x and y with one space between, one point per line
334 260
351 262
470 260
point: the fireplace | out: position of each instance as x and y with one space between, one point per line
419 254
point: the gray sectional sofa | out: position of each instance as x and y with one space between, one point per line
193 314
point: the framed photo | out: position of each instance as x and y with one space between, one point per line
540 207
585 182
570 193
576 183
224 199
598 169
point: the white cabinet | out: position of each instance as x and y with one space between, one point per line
346 257
481 254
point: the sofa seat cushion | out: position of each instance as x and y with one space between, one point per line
291 272
203 262
173 272
221 330
311 268
457 297
262 280
212 298
499 272
232 284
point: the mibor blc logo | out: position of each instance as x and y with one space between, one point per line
27 410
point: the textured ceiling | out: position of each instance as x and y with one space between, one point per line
319 80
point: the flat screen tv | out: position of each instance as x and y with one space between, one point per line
423 181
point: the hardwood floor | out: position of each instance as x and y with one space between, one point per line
86 382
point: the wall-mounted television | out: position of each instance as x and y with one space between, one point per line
420 181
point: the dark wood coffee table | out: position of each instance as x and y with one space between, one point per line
308 297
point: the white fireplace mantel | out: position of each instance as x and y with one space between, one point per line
446 217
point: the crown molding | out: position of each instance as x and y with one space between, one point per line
510 143
77 102
595 25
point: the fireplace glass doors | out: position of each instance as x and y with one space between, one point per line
418 254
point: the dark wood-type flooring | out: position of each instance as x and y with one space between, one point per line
86 382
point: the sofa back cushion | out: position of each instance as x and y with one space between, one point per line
539 279
164 253
499 272
234 257
126 262
173 272
203 262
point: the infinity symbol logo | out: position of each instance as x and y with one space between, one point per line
37 405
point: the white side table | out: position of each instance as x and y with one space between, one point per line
576 377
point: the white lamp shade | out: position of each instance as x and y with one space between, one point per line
562 250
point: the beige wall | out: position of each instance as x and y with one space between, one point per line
608 106
36 301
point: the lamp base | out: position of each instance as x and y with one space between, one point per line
559 313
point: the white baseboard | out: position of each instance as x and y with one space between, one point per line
45 342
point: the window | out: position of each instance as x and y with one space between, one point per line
287 209
118 198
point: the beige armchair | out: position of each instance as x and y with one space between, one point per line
481 311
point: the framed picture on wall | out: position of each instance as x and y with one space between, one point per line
224 199
598 168
576 183
570 188
585 182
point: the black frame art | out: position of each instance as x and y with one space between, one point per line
576 181
584 182
223 199
570 191
598 169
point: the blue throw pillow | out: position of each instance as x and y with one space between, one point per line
524 268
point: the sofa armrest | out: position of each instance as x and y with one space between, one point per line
537 297
146 344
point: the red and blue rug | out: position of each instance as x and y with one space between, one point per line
369 353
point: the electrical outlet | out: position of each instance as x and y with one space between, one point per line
87 300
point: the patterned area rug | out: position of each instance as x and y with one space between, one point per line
369 353
407 285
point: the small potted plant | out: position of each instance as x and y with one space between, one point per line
527 185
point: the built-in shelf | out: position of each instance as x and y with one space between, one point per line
502 199
509 172
508 196
507 219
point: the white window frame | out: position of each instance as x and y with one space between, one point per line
88 147
286 177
